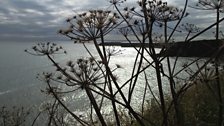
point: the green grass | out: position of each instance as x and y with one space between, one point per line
199 106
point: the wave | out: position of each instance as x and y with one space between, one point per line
16 89
6 92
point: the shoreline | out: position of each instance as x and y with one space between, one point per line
198 48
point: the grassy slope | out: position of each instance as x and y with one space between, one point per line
199 105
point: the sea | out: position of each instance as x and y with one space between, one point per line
19 85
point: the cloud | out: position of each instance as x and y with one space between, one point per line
20 19
26 17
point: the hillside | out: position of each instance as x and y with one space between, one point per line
200 48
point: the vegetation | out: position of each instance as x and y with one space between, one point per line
199 104
193 99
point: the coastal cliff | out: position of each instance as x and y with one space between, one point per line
199 48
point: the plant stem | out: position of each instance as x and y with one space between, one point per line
95 106
217 74
109 81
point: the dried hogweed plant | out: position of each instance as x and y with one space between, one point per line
189 28
14 117
95 76
218 6
86 74
90 25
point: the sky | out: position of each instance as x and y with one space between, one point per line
39 20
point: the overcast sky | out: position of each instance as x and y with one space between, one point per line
39 20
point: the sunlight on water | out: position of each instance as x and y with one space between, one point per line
20 87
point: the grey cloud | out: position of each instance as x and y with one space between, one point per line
38 17
28 32
41 19
26 18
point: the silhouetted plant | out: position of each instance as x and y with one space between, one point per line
95 76
222 34
218 6
189 28
13 117
90 25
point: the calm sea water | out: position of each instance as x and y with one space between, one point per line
18 83
18 70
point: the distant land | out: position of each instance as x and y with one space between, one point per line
198 48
